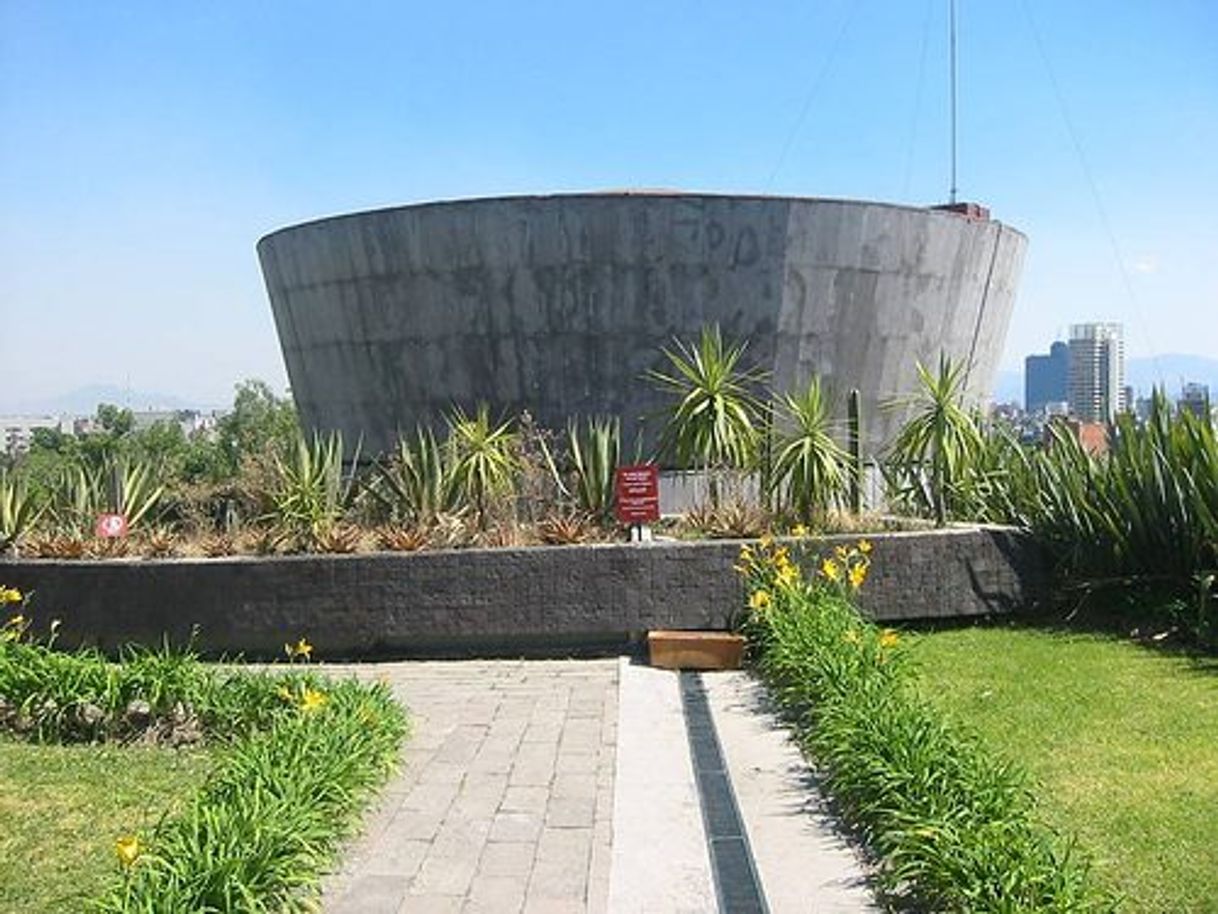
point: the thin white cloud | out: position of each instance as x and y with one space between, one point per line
1146 264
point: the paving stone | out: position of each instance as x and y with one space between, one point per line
570 812
515 826
507 858
372 894
525 799
496 895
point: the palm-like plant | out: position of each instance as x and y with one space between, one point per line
934 451
482 456
810 466
714 422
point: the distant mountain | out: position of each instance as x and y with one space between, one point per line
84 402
1170 371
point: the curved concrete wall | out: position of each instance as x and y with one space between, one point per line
559 304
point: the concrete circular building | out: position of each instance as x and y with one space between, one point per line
560 304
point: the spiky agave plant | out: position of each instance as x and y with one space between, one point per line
809 466
595 449
714 421
933 453
312 486
19 509
416 483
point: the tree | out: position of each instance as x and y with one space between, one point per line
259 422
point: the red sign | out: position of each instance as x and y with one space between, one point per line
638 493
111 525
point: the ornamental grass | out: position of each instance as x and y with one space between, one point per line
952 827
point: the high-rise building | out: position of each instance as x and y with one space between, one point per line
1195 398
1096 376
1044 378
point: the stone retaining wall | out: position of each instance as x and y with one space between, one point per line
493 601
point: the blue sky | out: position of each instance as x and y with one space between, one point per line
146 146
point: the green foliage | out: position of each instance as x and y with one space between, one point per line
260 422
63 806
1145 514
302 757
595 449
312 487
19 509
713 423
1119 737
120 485
951 824
930 462
809 467
416 483
272 815
483 458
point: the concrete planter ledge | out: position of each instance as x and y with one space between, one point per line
555 600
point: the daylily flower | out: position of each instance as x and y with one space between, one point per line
831 569
311 700
759 600
889 638
857 575
127 849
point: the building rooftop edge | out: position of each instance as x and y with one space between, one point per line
935 210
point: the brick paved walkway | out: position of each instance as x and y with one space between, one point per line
505 801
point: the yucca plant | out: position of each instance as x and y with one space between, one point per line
416 482
809 467
714 422
483 458
595 449
19 510
312 486
933 454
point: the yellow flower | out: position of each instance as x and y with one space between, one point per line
301 648
127 848
799 530
759 600
10 595
746 552
831 570
766 541
858 574
851 636
16 621
865 547
285 693
840 552
311 700
788 574
889 638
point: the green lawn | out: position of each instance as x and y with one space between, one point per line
62 807
1122 743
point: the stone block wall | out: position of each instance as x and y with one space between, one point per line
494 601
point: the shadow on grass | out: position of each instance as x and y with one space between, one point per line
1163 623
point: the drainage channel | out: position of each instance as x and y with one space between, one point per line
736 882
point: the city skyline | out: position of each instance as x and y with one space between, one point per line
151 147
